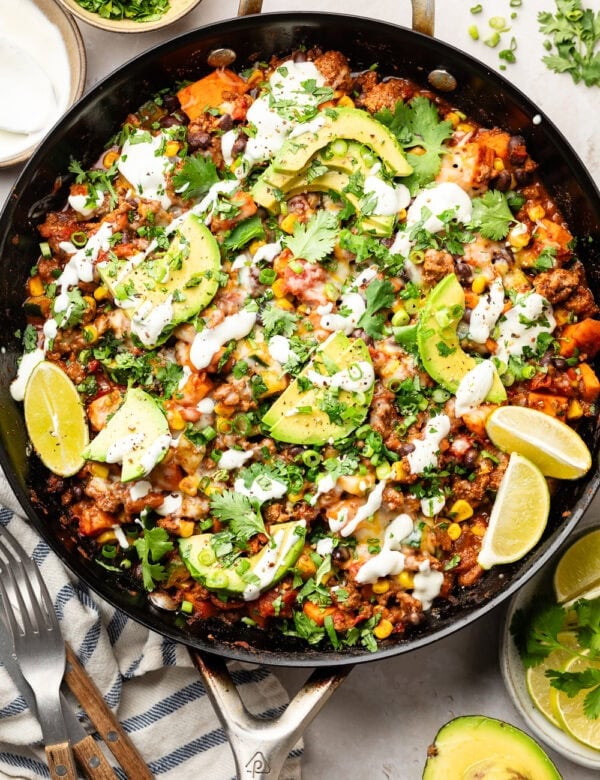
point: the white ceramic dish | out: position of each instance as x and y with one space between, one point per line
178 9
514 678
76 55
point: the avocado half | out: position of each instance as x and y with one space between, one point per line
475 747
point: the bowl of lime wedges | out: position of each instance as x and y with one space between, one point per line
550 650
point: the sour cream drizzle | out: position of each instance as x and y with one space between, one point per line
359 377
144 166
485 314
209 341
426 449
262 489
346 527
390 560
474 387
270 561
427 584
530 316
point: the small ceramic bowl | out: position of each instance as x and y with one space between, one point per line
75 51
513 673
178 8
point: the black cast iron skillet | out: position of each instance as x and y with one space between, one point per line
82 133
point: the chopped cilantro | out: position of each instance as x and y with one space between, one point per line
195 177
380 294
244 520
314 240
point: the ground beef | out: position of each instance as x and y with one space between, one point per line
436 266
336 70
557 285
385 95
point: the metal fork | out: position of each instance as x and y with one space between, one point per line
39 647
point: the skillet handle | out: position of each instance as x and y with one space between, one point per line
423 16
260 746
247 7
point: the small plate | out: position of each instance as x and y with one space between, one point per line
76 56
513 673
178 9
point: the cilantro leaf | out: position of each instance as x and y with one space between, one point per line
418 124
151 547
380 294
572 38
237 510
195 177
316 239
492 215
278 322
573 683
535 630
244 232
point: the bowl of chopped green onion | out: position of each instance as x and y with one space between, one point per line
129 16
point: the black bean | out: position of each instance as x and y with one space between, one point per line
405 448
517 150
341 554
198 139
546 359
171 103
467 314
169 121
560 363
225 122
470 457
239 144
464 271
522 176
299 56
501 182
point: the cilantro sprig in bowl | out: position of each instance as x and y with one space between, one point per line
550 659
129 16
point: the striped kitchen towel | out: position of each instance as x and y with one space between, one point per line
147 680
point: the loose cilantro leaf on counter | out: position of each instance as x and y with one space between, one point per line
237 510
492 215
418 125
573 40
380 294
195 177
151 547
314 240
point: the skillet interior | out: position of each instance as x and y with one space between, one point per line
82 134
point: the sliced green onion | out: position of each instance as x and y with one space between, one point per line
493 40
311 458
476 9
473 31
242 423
79 238
528 372
267 276
440 396
498 23
109 550
296 267
208 433
401 317
417 256
45 249
339 147
383 470
187 607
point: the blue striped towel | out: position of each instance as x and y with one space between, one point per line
147 680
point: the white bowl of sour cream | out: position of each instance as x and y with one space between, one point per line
43 73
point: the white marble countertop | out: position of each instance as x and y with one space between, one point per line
380 722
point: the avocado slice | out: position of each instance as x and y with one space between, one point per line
247 577
345 123
137 435
187 274
296 416
474 746
437 340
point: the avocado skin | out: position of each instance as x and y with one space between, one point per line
201 264
474 746
447 302
346 123
316 427
138 414
227 580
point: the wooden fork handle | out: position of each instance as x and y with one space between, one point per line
92 760
107 725
60 761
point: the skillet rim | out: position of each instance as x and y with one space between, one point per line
304 657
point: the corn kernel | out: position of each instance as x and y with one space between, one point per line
176 421
356 484
90 334
454 531
418 150
383 629
305 566
287 223
255 78
106 536
406 580
479 284
398 472
461 510
211 490
189 485
536 212
293 498
519 237
256 245
381 586
101 293
346 101
575 410
110 158
185 529
283 303
223 425
275 382
171 148
223 410
36 286
279 288
498 164
478 529
453 118
402 214
465 127
100 470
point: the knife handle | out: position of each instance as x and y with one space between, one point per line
92 760
106 724
60 761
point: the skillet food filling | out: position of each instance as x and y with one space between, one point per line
289 299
